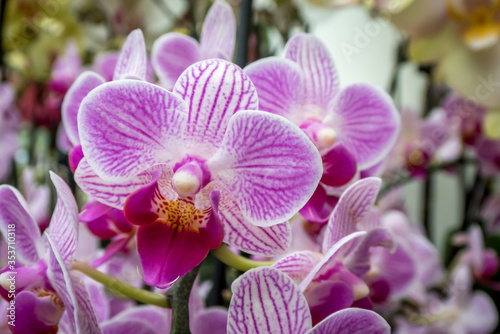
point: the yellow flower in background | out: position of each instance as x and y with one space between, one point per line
460 37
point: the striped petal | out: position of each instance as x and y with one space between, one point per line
214 90
63 227
240 233
352 321
366 121
280 86
297 265
172 53
79 309
350 210
219 32
267 301
114 194
268 164
132 62
72 100
14 212
320 76
127 126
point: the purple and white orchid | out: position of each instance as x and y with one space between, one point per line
195 167
353 128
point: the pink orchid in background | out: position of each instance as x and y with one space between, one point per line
37 197
461 311
45 289
488 154
9 122
333 281
195 167
353 128
466 116
265 300
423 141
66 69
491 214
483 262
174 52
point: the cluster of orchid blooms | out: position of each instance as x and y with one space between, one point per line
275 160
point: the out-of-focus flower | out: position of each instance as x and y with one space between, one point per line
166 157
267 300
488 153
66 69
353 129
174 52
45 289
37 197
462 38
9 123
491 214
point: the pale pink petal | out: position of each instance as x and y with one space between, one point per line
351 209
132 61
267 301
172 53
269 165
320 76
240 233
72 100
210 321
366 121
63 227
219 32
127 126
297 265
214 90
353 321
14 213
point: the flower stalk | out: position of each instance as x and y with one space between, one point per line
120 287
227 256
178 295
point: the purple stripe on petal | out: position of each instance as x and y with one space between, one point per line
63 227
81 314
172 53
14 212
219 32
72 100
353 321
350 210
321 79
132 59
127 126
366 121
297 265
269 165
280 86
267 301
214 90
240 233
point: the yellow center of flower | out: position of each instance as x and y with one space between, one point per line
482 23
326 137
182 214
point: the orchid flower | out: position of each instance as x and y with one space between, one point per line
177 162
265 300
174 52
332 281
45 289
483 262
353 128
66 69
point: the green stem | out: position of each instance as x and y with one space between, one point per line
118 286
227 256
178 295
